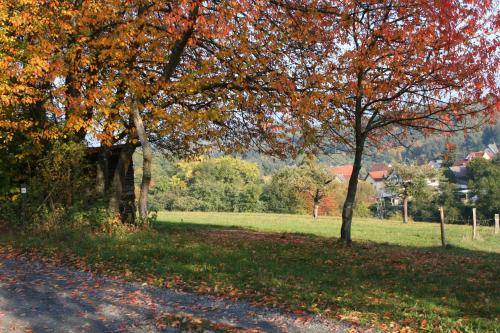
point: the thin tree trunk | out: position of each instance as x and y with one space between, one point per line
147 152
315 210
316 200
360 137
405 209
345 231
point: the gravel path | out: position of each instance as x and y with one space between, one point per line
40 297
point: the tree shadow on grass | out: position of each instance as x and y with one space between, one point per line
400 283
166 226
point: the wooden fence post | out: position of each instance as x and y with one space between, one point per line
474 224
443 238
497 223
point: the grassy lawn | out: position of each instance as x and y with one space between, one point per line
387 232
395 278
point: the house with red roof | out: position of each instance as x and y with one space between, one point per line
342 173
378 174
479 154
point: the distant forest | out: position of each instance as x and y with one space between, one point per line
434 147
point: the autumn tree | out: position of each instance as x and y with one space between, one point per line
194 72
178 75
315 181
28 127
371 72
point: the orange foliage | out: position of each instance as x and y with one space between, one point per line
196 70
235 73
328 205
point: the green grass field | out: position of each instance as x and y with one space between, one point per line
396 277
416 234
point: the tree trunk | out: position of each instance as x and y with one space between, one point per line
345 231
147 152
316 200
116 188
405 209
315 210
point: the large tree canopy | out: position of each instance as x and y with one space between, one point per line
182 75
372 71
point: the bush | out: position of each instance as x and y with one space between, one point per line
10 213
186 203
395 213
280 195
361 210
224 184
60 193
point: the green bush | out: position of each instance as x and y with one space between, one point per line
281 194
361 210
223 184
59 192
186 203
10 213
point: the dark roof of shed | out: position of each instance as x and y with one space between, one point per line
98 150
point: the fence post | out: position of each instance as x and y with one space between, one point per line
474 224
497 223
443 239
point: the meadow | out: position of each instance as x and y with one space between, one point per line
395 277
418 234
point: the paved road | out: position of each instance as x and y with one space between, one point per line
40 297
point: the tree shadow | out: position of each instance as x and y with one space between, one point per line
394 281
166 226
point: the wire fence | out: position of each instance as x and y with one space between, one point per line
468 221
477 229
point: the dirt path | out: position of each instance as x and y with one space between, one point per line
39 297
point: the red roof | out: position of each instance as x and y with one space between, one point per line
379 175
343 170
379 171
476 154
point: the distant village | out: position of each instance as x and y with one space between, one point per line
380 173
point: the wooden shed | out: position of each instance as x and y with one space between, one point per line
106 161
